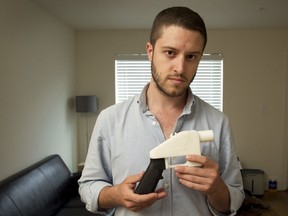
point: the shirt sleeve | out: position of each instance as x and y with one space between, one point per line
230 170
97 169
235 198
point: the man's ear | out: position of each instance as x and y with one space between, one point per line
149 50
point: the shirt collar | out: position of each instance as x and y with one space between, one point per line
189 103
143 102
142 99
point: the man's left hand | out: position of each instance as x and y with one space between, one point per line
206 179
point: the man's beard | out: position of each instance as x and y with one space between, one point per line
161 88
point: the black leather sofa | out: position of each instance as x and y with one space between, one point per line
44 189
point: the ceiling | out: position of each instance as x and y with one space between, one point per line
139 14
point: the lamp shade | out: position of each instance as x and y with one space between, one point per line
86 103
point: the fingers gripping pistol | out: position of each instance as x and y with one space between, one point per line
182 143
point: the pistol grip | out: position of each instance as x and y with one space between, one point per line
151 177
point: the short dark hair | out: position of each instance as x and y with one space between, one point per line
178 16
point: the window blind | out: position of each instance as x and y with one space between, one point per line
133 72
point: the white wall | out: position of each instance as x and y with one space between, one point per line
37 85
255 86
254 96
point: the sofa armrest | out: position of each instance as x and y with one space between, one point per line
76 175
74 183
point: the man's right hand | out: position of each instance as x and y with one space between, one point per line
123 195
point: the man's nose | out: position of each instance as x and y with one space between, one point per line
179 64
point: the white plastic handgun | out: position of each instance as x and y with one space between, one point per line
181 144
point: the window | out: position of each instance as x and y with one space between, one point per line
133 72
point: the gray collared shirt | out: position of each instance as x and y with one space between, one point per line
122 138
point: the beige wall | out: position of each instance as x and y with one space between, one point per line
254 96
255 92
38 79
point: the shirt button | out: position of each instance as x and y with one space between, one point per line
154 123
166 185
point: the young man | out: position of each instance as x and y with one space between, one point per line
125 133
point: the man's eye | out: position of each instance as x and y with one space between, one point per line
170 53
191 57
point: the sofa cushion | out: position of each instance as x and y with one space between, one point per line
59 178
7 206
41 189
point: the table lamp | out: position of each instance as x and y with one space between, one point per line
85 104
